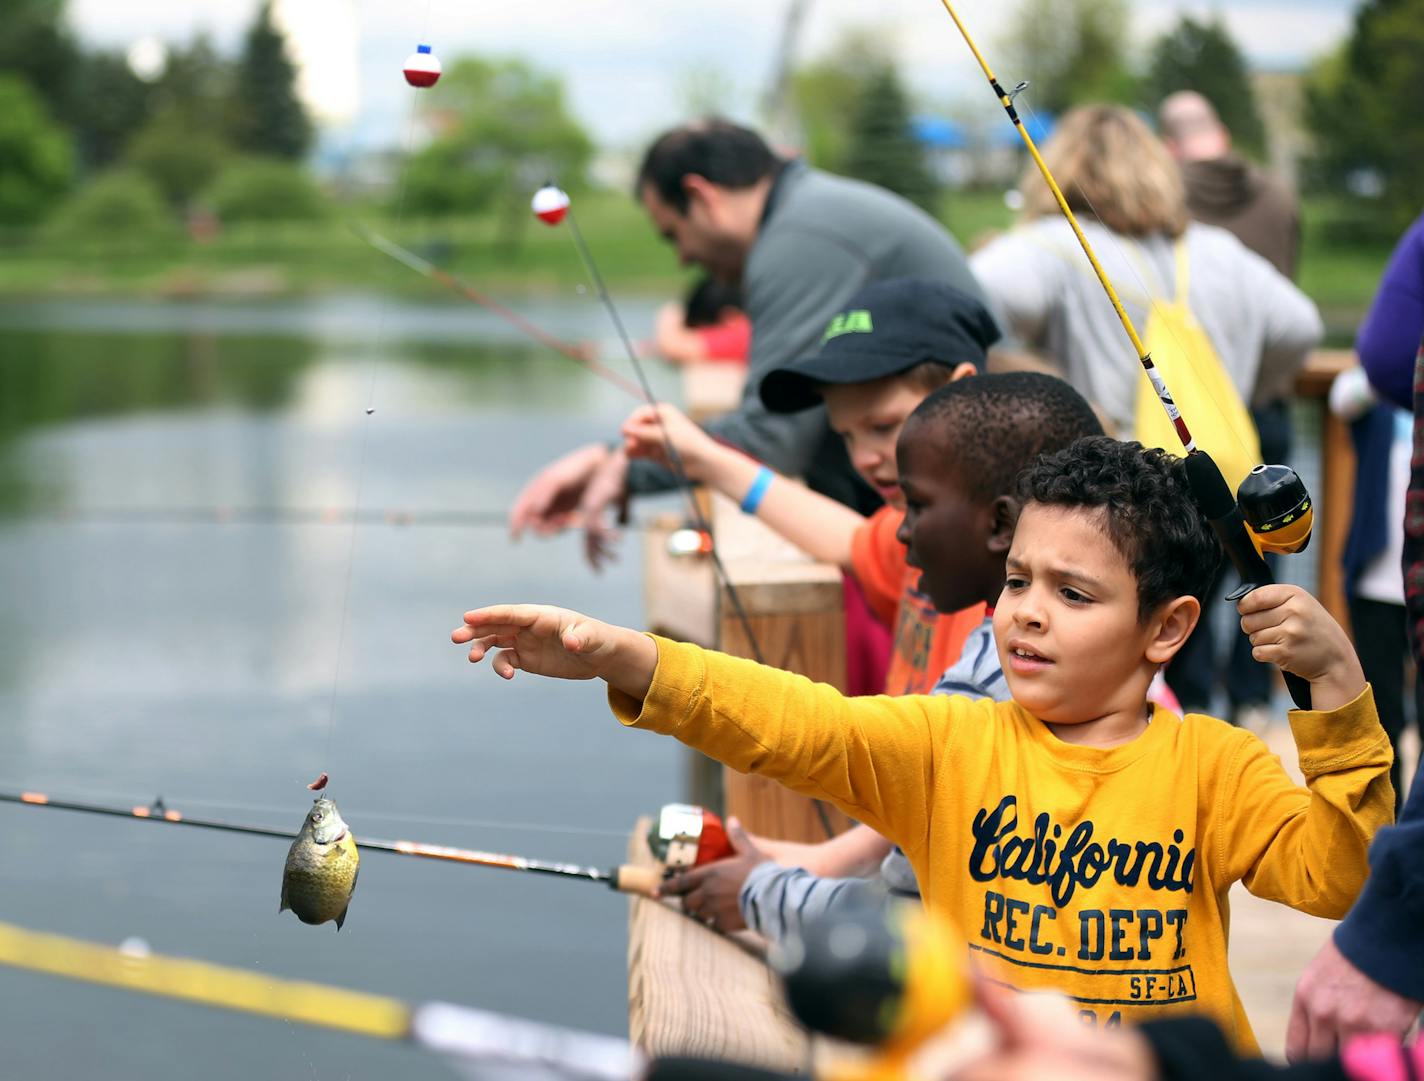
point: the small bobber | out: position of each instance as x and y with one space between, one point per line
550 204
422 67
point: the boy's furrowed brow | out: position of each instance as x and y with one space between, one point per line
1062 572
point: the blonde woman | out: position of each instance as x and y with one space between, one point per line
1128 195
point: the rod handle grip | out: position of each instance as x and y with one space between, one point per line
1221 511
639 878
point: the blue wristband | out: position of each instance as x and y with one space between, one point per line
757 492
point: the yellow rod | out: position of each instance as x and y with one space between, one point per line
207 984
1008 103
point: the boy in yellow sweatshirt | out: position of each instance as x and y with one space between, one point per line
1082 839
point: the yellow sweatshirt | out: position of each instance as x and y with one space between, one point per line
1099 872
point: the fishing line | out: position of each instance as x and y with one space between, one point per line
700 522
372 367
277 515
457 285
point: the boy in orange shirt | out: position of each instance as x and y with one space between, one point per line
1083 839
895 342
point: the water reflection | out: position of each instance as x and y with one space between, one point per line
231 660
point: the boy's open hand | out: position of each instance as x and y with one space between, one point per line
1291 629
556 642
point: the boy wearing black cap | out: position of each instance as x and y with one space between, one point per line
893 344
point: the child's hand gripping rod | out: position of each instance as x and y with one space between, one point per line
1209 488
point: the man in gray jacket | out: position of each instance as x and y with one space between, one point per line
799 242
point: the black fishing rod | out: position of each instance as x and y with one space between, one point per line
626 878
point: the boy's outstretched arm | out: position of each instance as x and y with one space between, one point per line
818 525
1292 630
556 642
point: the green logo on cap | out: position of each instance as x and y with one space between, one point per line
851 322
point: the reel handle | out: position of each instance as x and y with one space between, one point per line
1215 501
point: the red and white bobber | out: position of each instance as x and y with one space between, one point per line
686 835
550 204
422 67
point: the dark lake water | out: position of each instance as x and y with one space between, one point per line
145 653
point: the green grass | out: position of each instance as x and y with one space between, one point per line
1341 261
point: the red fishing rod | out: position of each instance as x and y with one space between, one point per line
429 270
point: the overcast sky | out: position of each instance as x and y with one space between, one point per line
626 64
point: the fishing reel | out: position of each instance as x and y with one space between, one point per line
1277 509
886 975
686 835
1271 512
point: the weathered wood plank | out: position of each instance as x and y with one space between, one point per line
694 992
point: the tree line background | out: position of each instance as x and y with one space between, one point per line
88 147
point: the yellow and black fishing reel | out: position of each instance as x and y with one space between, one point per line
1277 509
887 975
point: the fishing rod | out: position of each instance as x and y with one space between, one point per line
552 206
429 270
478 1039
625 878
1272 510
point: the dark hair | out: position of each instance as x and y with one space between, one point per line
996 425
706 301
1149 514
717 150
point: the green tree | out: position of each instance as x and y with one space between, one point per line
824 93
117 203
1202 56
179 159
118 105
181 147
37 46
35 155
1362 107
507 130
1070 51
265 189
883 150
267 116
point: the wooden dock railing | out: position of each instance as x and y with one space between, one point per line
692 991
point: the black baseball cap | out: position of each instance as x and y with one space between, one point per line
888 327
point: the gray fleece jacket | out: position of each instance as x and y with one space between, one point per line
821 238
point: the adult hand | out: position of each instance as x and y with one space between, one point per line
1042 1036
709 893
550 500
1335 1000
607 487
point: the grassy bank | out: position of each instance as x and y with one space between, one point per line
1340 263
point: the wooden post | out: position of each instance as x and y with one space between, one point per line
1337 479
694 992
795 609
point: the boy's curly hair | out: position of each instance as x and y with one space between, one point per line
1150 516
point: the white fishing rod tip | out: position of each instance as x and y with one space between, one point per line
550 204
